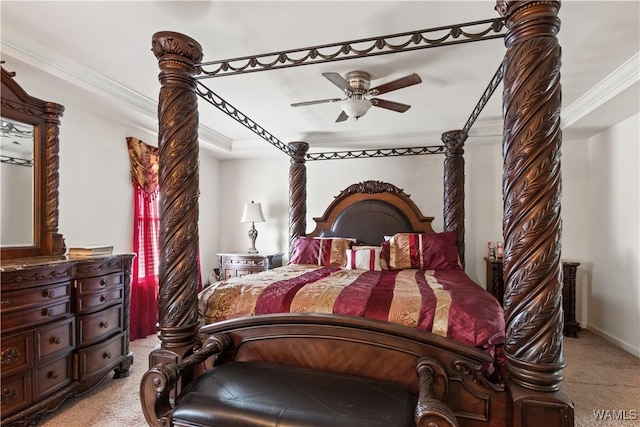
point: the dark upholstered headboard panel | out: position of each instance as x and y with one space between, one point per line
370 210
368 221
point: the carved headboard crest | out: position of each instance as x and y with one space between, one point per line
370 210
371 187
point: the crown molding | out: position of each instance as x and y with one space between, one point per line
611 86
77 74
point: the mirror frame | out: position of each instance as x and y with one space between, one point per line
45 118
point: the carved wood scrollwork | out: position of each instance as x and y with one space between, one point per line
531 193
8 394
178 187
371 187
10 356
431 410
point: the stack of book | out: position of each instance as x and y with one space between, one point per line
90 250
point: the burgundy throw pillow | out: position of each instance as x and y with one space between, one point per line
435 251
320 251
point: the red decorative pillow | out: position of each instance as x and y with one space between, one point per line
435 251
364 258
320 251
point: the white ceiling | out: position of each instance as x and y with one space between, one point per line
104 48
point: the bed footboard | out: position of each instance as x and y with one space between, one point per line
442 376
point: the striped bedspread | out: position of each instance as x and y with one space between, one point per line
444 302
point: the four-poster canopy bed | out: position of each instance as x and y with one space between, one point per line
445 379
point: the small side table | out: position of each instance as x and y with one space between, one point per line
495 285
237 264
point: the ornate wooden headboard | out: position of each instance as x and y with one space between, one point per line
368 211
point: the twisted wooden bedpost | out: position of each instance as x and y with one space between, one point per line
297 192
531 223
178 188
454 187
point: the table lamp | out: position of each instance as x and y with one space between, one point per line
252 213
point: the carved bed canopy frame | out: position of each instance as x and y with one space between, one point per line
531 187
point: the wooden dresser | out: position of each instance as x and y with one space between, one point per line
65 326
495 285
236 264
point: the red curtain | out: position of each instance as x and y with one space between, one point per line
144 284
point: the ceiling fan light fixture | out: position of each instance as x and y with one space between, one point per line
355 108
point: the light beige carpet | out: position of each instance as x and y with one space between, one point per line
604 378
599 376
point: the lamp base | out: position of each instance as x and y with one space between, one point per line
253 235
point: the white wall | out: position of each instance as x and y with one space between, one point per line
210 202
613 291
574 221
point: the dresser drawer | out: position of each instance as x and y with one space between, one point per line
93 302
35 316
28 277
21 299
15 392
52 376
16 353
241 264
99 267
53 339
101 283
239 272
245 261
100 357
98 326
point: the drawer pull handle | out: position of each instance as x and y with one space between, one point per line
47 312
57 340
48 293
107 355
103 298
54 375
8 394
104 324
103 282
7 301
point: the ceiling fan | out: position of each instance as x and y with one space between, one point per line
355 86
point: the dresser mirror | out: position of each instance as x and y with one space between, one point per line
29 173
16 179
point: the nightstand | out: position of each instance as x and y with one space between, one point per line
495 285
237 264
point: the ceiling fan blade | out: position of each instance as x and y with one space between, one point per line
342 117
410 80
390 105
338 80
319 101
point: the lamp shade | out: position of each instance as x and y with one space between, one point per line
252 213
355 107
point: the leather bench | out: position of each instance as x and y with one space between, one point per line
254 394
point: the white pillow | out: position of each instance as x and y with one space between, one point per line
364 258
